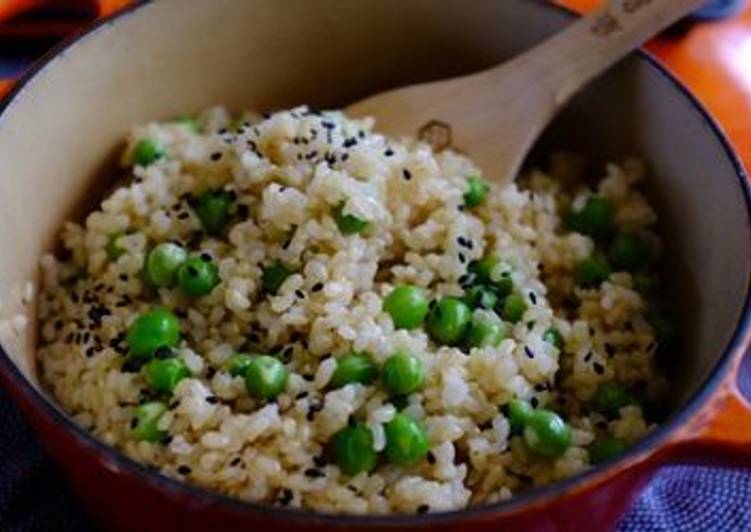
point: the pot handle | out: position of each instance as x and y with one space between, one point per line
720 433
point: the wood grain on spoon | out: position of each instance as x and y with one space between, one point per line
496 115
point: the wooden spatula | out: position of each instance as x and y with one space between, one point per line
496 115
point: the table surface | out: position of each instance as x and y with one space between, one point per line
714 60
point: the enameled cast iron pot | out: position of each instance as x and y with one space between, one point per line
62 124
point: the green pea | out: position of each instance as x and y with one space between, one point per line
163 374
486 329
592 272
476 192
348 224
238 364
403 373
353 449
554 337
162 263
628 252
191 124
648 285
491 270
273 277
146 418
513 308
197 277
406 441
152 330
518 414
266 377
407 305
546 434
610 398
148 151
114 250
605 450
480 296
212 208
356 367
448 320
596 218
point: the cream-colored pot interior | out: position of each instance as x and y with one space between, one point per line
59 133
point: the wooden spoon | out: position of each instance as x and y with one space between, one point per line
496 115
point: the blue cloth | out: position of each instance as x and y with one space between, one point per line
33 496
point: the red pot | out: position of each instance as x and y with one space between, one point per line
59 125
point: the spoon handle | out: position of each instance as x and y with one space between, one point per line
575 56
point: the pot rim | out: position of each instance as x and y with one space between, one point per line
117 461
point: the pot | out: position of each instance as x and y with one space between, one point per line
61 125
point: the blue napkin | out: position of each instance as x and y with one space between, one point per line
33 496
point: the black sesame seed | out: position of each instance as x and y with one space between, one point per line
529 352
308 377
300 294
610 350
327 125
599 369
423 509
462 258
205 257
192 271
317 287
183 216
345 156
486 425
301 395
319 461
588 357
407 174
216 156
212 399
539 387
313 472
286 497
132 365
389 152
184 470
236 462
133 423
534 402
533 298
431 458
